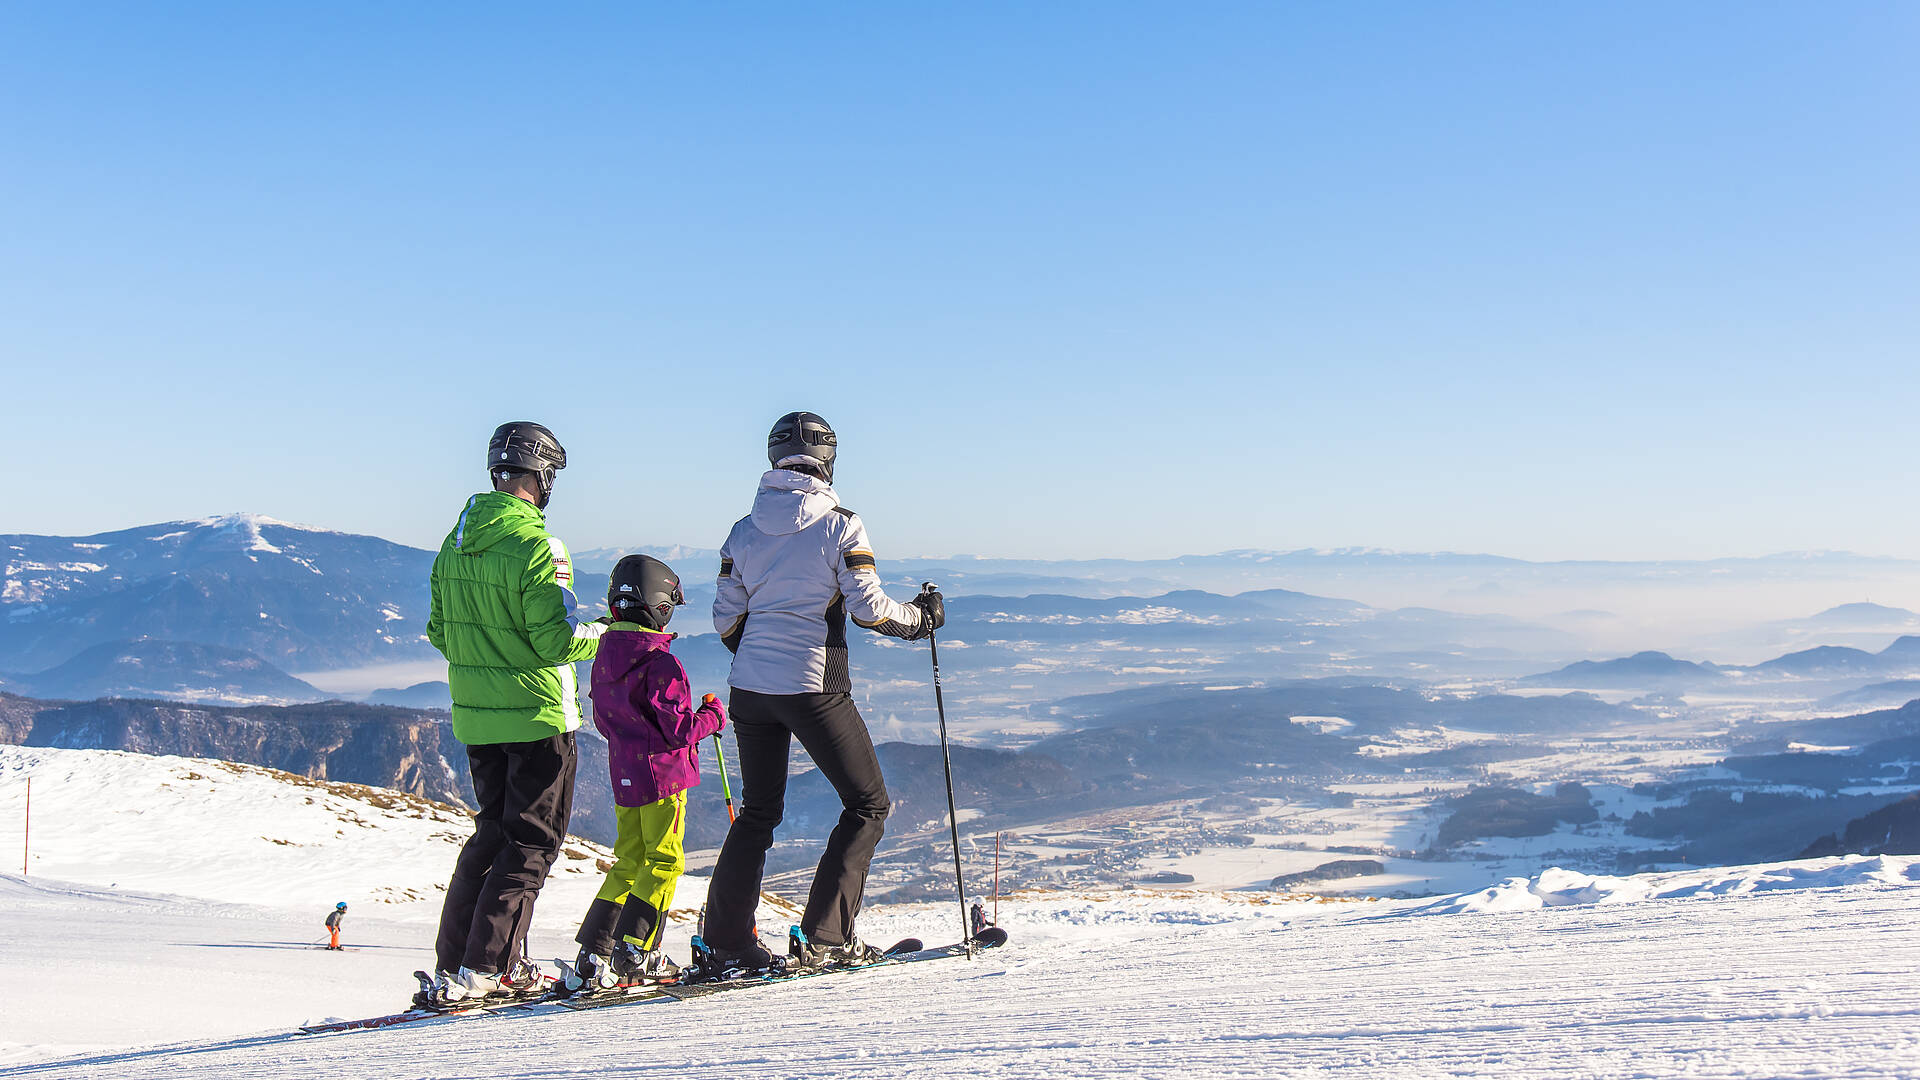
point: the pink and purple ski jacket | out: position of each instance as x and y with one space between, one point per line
644 706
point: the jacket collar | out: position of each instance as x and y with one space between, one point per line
642 637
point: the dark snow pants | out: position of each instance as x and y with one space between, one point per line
525 796
834 735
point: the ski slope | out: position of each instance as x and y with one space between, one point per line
1806 969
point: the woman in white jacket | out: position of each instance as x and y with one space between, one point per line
791 573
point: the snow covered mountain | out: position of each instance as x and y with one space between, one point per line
309 598
1556 974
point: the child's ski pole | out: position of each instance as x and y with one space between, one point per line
726 786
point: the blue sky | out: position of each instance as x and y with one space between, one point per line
1549 280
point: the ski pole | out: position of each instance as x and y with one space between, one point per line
946 761
726 786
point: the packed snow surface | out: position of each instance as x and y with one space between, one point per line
1806 969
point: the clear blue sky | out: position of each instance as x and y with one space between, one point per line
1550 280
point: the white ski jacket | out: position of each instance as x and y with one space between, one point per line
790 574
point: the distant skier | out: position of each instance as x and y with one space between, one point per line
644 706
791 572
504 615
334 918
977 915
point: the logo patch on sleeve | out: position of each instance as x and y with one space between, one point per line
562 566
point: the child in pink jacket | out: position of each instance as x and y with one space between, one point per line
644 706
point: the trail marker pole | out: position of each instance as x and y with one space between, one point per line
26 829
996 878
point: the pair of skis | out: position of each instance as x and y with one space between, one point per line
908 951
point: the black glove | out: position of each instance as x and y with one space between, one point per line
933 613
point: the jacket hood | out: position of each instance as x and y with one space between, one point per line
788 502
491 517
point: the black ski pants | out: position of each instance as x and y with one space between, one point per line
834 735
525 796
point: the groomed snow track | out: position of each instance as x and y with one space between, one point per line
1807 971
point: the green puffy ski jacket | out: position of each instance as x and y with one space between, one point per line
504 617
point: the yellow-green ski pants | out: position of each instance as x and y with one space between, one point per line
649 856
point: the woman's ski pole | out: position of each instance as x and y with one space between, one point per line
953 817
726 787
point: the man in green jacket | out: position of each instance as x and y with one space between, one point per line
504 615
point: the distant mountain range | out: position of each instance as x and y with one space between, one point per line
1657 670
426 695
1644 670
175 670
1874 695
261 598
303 597
1863 616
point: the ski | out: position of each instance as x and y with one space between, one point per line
905 951
620 995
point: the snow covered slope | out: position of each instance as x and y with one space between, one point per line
1800 969
240 834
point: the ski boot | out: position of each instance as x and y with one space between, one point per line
524 981
804 955
633 964
439 991
711 963
589 973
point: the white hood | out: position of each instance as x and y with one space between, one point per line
788 502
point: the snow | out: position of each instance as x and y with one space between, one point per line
1564 888
238 833
1793 969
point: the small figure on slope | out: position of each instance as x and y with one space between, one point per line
644 706
334 918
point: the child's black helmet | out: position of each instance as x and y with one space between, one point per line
524 446
644 590
802 438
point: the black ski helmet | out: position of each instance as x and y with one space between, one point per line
644 590
525 447
802 438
